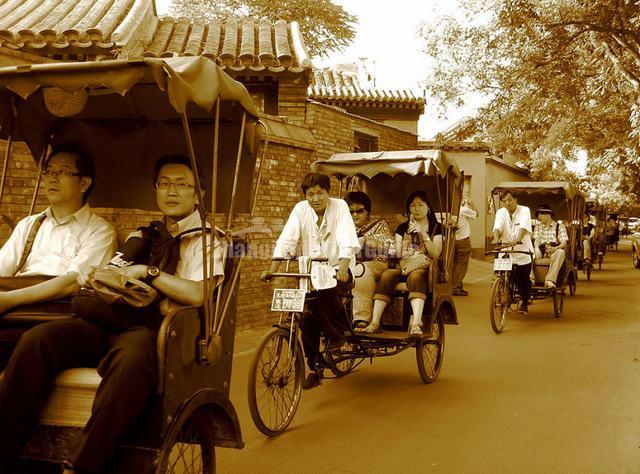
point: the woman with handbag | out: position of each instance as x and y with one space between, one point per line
418 242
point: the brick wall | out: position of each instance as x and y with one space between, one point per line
292 99
333 130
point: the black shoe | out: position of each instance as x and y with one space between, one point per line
312 381
523 308
460 292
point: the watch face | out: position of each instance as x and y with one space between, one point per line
153 271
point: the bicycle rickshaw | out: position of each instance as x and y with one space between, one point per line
277 370
567 204
126 115
599 212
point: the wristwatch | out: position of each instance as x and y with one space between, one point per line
152 272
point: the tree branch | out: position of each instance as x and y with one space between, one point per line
635 82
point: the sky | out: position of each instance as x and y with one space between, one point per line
386 36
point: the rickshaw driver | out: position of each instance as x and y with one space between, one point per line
67 239
512 226
324 228
127 361
550 239
588 237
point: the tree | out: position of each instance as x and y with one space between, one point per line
325 25
560 77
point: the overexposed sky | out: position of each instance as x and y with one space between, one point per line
386 35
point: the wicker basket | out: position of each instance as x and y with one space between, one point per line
62 103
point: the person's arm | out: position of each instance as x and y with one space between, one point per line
434 246
347 240
497 227
563 237
468 210
58 287
286 244
181 290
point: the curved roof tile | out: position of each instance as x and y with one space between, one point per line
341 87
237 45
70 26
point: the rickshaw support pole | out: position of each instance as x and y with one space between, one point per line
236 175
7 156
39 179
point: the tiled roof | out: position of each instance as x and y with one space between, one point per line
334 87
71 26
237 45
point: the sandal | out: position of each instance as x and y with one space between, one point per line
415 330
372 328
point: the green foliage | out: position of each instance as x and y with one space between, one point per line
560 76
325 26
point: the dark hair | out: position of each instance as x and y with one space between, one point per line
84 163
176 159
503 194
358 197
422 195
316 179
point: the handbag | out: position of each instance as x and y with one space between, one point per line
417 261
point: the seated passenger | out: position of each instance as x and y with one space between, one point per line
127 360
588 238
321 227
60 244
549 239
375 242
419 241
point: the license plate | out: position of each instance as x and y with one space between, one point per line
288 300
502 264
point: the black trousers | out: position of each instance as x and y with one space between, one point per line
522 277
126 361
326 316
9 338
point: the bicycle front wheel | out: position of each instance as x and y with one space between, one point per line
499 304
275 382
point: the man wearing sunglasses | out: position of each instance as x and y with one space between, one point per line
57 247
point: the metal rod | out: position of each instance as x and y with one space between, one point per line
203 220
7 156
236 175
259 178
211 322
39 179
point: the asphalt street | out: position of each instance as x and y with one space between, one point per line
546 396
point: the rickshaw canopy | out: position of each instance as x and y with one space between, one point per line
128 114
568 190
411 162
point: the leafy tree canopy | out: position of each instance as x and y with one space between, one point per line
325 25
561 77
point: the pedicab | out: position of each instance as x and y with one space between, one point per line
567 204
278 369
126 114
599 213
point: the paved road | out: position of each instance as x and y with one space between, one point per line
546 396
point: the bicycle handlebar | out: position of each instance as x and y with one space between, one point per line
317 259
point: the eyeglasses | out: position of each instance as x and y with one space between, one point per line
59 173
358 212
165 185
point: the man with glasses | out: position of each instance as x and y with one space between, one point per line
126 359
57 247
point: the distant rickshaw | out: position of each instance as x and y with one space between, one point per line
568 206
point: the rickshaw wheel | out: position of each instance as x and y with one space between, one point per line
498 306
558 303
189 448
275 382
636 259
343 367
430 352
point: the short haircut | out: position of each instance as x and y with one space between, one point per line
503 195
358 197
422 195
316 179
176 159
84 163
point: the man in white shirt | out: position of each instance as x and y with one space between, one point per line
126 360
323 227
67 239
462 248
512 227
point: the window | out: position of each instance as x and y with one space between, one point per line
363 142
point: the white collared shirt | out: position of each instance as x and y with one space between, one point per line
464 228
335 238
510 227
74 244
